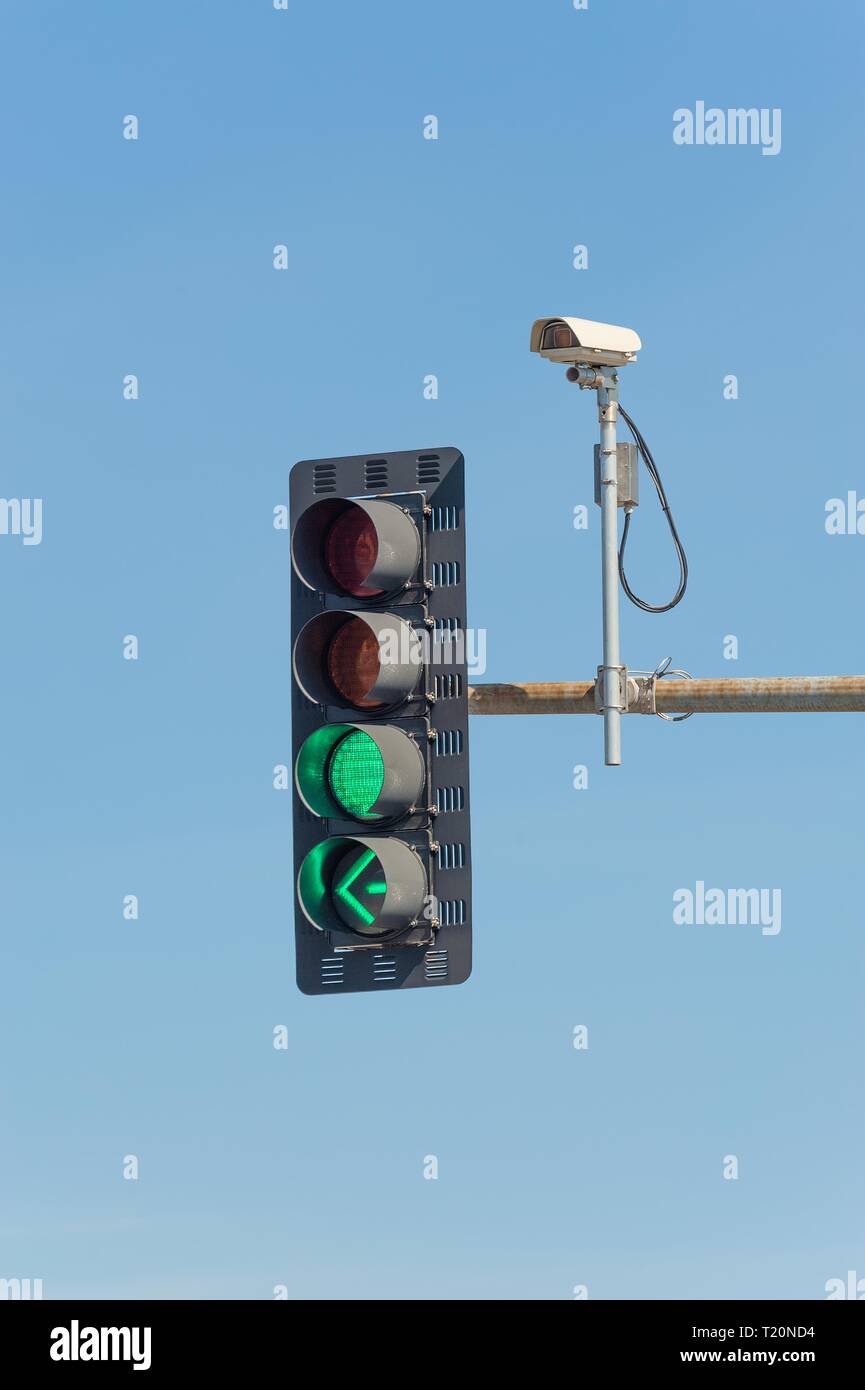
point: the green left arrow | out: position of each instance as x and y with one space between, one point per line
342 888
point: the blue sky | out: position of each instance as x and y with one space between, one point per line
304 1167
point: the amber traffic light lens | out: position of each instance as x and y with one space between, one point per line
354 663
350 553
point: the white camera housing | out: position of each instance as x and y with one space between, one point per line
584 343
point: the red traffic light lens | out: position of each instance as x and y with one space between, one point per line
350 552
354 663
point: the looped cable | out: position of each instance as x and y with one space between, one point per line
652 469
661 670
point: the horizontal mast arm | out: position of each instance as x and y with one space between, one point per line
749 695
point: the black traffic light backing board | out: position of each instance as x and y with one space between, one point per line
430 484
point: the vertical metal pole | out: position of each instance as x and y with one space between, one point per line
611 672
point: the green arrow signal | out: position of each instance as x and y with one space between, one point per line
342 887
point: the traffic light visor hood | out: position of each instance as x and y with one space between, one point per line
362 549
370 887
357 660
364 772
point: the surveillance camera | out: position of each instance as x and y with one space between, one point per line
584 343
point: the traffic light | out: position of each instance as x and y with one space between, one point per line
380 722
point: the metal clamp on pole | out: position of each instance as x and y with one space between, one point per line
645 685
644 699
613 690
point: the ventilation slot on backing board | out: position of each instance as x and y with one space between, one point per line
448 742
448 687
375 474
435 965
452 913
428 469
324 477
446 574
449 799
444 519
383 970
446 629
451 856
332 970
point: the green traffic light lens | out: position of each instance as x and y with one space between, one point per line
358 889
374 888
356 774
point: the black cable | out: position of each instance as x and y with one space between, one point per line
652 469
